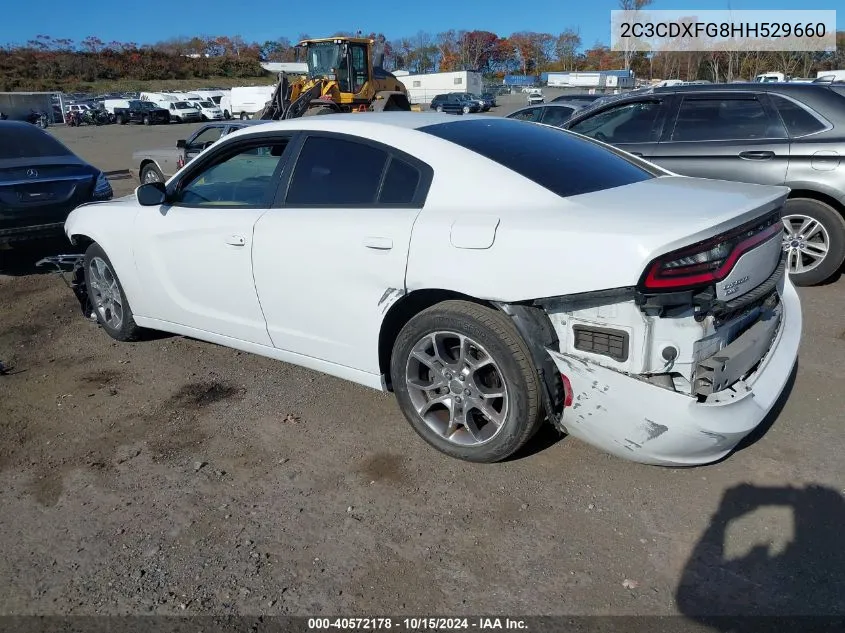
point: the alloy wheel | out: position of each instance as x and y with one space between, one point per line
457 388
806 242
107 298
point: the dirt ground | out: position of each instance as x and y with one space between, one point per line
172 476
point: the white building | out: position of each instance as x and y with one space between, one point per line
423 88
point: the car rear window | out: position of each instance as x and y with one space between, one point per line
561 162
28 141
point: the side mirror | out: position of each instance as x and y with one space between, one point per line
151 194
181 144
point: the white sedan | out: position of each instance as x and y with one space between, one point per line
493 274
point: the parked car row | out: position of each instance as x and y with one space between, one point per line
462 102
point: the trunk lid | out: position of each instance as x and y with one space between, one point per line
43 191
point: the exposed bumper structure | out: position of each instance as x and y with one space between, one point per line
639 421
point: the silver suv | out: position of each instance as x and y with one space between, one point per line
775 134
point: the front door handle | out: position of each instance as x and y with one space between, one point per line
378 243
757 155
235 240
636 154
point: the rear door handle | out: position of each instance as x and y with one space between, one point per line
235 240
378 243
757 155
636 154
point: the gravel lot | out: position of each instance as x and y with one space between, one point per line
172 476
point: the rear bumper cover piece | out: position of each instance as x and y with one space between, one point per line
639 421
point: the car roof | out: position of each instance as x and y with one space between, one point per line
354 121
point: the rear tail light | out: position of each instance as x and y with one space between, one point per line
709 261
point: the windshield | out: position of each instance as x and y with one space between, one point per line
184 105
323 58
206 104
216 100
140 105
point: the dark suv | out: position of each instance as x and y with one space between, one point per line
456 103
774 134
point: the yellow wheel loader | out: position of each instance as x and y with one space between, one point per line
345 74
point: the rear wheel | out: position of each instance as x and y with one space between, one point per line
464 380
147 120
107 297
440 108
814 240
151 173
467 109
119 119
244 116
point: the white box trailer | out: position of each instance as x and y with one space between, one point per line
423 88
835 75
589 80
247 100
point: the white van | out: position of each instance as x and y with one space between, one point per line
247 100
110 104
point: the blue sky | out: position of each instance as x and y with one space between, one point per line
277 18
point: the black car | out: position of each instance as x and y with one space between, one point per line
553 113
789 134
456 103
141 112
490 98
41 182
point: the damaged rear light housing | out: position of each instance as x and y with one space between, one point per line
709 261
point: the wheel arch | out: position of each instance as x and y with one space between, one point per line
813 194
402 311
148 161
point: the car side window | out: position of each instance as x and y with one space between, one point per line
400 183
725 119
208 135
556 115
625 123
798 120
528 114
241 178
336 172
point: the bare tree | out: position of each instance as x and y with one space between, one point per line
631 5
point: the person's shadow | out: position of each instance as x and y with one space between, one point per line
766 588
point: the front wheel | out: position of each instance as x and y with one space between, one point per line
814 240
467 110
244 116
147 120
464 379
107 297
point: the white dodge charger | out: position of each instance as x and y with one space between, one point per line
493 274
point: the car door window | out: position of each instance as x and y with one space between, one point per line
625 123
336 172
241 178
556 115
798 120
528 114
206 136
725 119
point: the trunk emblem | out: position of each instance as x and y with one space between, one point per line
31 173
731 287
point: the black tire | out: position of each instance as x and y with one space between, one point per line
495 332
128 329
440 108
147 120
227 115
119 119
153 169
834 225
244 116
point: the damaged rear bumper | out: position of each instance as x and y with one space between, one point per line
639 421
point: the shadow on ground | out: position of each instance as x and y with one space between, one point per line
20 260
738 572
